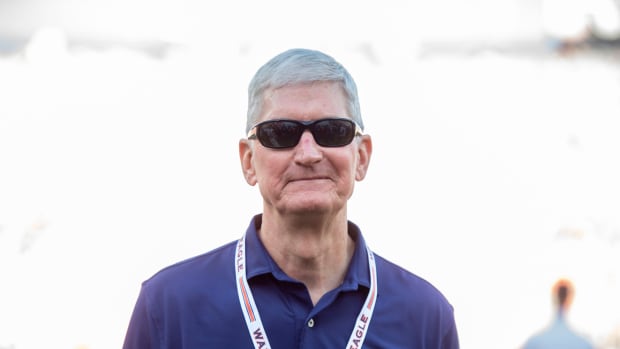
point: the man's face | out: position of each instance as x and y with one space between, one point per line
306 178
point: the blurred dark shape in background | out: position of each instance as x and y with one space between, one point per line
560 334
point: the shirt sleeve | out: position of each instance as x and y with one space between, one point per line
142 331
450 339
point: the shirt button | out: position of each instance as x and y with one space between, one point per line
311 323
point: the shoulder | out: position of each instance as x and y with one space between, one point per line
408 301
179 296
215 265
401 285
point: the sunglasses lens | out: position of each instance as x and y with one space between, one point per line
333 132
279 134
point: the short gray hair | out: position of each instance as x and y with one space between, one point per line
299 66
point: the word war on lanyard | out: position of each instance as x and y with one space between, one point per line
252 317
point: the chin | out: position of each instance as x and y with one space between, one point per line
311 203
312 208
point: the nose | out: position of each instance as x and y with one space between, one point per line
307 152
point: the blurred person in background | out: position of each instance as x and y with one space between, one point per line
559 335
301 276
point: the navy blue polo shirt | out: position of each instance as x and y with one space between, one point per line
194 304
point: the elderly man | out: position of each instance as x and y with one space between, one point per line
301 276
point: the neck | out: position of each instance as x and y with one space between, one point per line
316 252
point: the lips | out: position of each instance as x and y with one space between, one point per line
310 182
317 178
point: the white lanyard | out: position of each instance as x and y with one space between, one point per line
252 317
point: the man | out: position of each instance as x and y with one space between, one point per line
301 276
559 334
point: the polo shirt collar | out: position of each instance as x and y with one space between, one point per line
259 262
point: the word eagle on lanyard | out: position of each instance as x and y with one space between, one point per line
252 317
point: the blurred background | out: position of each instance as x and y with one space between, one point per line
496 129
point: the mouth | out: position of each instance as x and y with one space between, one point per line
308 179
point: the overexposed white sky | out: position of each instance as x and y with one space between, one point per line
494 170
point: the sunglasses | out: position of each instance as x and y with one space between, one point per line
285 133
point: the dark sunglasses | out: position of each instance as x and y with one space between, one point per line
285 133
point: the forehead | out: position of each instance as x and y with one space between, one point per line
305 101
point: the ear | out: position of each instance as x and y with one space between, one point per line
246 152
364 151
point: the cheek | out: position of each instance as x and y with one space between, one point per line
346 166
269 170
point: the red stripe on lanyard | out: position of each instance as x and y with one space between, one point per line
248 306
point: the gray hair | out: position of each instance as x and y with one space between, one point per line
299 66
